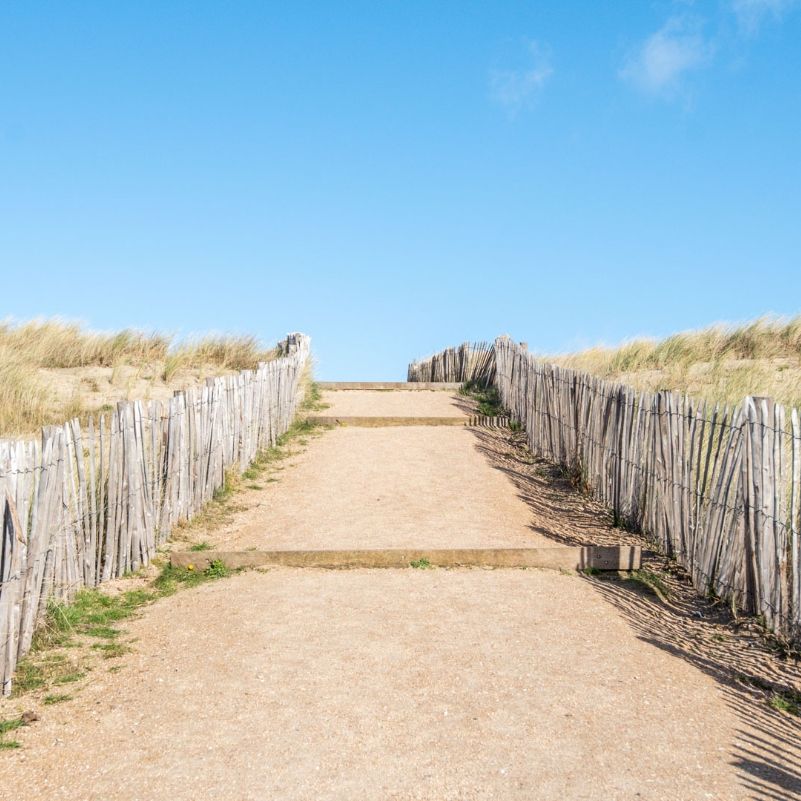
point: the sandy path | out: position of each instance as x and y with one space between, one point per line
411 684
395 403
385 685
427 487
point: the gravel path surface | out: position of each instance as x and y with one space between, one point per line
435 685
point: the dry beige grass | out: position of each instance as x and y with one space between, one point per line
720 363
51 370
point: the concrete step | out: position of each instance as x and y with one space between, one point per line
597 557
387 385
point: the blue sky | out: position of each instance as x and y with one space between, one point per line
395 177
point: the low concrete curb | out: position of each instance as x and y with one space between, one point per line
597 557
380 422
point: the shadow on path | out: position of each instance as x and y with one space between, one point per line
748 667
767 746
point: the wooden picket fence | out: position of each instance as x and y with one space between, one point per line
716 488
471 361
81 506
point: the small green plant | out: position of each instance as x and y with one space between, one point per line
421 564
201 546
216 569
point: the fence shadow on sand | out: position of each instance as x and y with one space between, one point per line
766 750
767 744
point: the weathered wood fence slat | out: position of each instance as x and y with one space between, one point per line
80 507
717 489
471 361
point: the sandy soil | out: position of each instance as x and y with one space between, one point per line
395 403
410 684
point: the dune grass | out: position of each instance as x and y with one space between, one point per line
721 363
28 348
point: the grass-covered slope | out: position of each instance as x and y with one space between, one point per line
52 370
720 363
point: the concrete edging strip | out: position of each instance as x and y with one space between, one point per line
597 557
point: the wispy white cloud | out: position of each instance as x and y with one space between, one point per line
658 65
516 88
752 13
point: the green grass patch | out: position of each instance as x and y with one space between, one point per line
106 632
172 578
70 678
111 650
56 698
201 546
91 616
9 725
487 398
224 492
421 564
785 704
313 399
649 581
9 744
28 676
